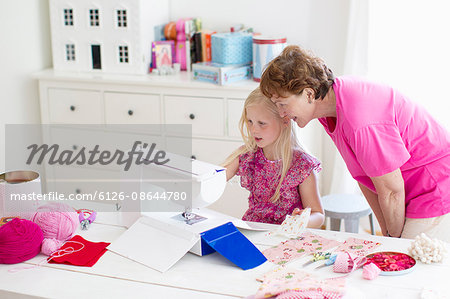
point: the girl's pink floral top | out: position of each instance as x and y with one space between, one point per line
261 176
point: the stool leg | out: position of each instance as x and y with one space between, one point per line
351 225
335 224
372 225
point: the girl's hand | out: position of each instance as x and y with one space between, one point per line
296 212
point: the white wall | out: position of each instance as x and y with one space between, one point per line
24 49
319 25
418 63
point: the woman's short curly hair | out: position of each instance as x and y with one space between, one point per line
294 70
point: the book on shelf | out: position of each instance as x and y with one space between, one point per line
197 47
206 44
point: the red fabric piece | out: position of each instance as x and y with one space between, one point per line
86 257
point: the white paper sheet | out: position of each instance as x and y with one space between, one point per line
254 226
154 244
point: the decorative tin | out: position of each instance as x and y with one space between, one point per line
264 50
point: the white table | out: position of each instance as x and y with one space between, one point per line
209 276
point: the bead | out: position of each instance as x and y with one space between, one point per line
427 250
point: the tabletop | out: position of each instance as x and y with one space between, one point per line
210 276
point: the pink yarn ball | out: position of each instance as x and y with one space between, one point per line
57 221
20 240
51 245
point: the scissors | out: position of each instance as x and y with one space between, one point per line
85 222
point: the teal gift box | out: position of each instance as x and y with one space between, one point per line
232 48
221 74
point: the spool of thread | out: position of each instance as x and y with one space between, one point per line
20 240
58 222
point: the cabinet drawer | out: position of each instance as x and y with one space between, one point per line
235 108
74 106
205 115
74 139
129 108
71 181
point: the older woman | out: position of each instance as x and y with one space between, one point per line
397 152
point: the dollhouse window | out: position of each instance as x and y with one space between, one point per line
70 52
94 18
123 54
68 17
121 18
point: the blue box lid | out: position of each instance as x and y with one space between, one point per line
232 244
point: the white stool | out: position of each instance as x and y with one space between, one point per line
349 207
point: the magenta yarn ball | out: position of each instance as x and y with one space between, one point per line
20 240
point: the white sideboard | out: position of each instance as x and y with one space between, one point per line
102 99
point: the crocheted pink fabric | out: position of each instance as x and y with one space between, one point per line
261 176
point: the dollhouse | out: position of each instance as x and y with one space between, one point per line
110 36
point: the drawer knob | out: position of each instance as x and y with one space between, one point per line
72 108
77 191
193 157
130 112
74 147
192 116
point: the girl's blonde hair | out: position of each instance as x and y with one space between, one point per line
283 146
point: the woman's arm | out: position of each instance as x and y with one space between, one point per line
372 199
309 193
391 198
232 168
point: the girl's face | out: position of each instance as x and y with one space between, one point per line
263 126
295 107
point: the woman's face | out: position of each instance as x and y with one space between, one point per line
295 107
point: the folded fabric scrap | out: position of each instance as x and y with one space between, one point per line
294 225
283 272
359 247
284 279
347 262
292 249
79 252
316 294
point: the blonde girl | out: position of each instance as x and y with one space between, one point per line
272 166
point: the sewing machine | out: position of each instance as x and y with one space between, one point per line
162 231
176 189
